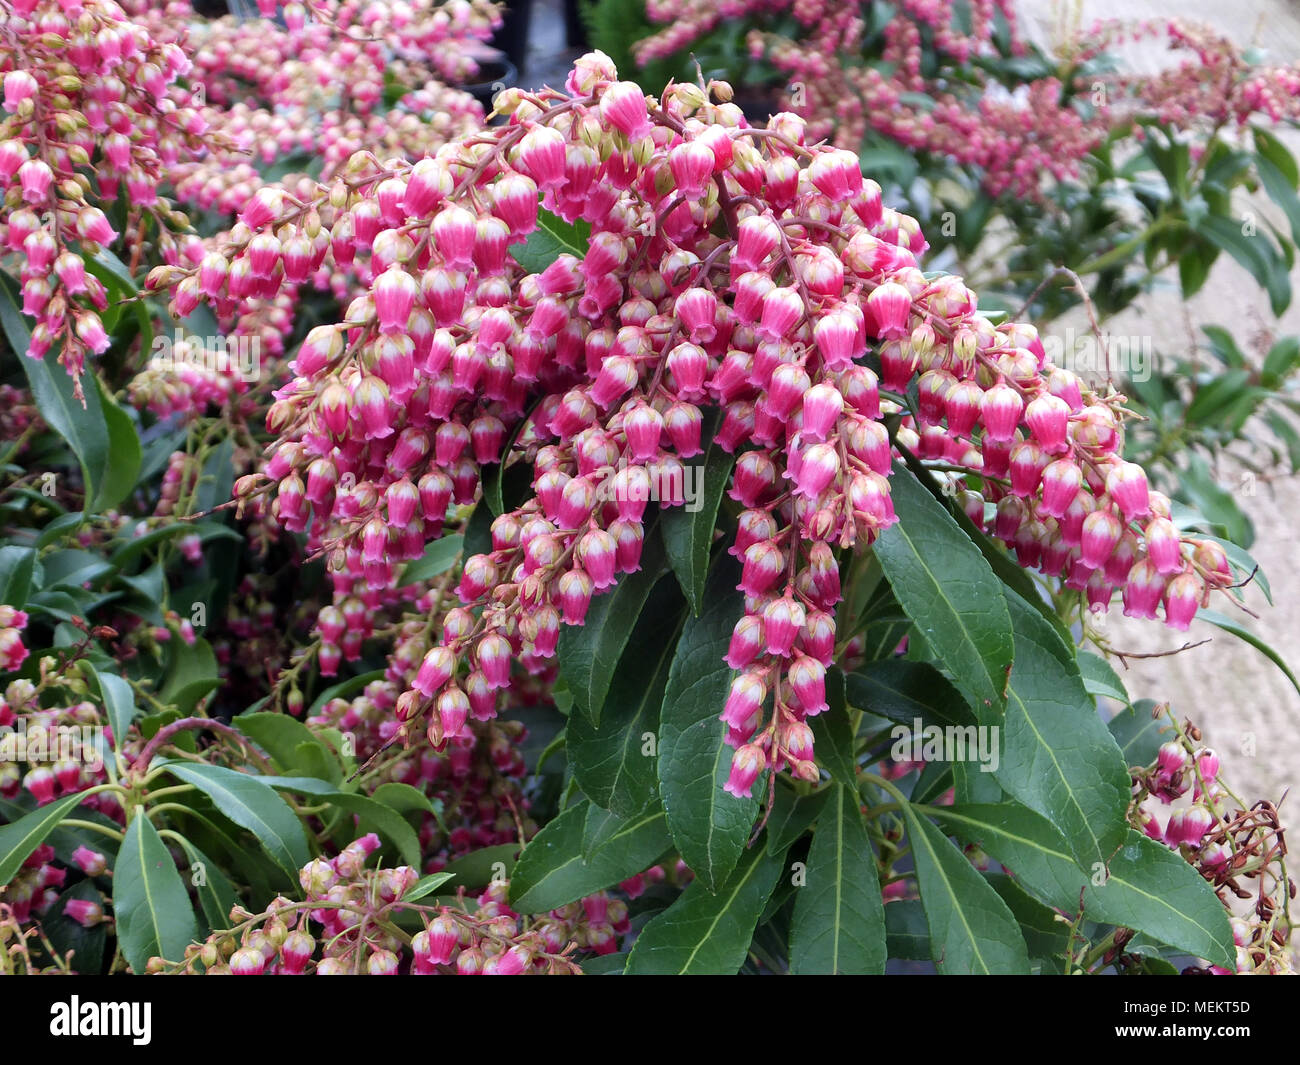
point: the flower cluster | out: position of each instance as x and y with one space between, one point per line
344 926
1225 841
85 90
929 78
730 269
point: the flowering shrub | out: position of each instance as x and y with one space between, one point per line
638 548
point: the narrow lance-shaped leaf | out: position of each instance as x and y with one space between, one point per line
709 825
971 929
589 653
839 918
251 803
18 840
150 903
709 934
1057 756
615 762
552 871
951 594
688 530
1145 886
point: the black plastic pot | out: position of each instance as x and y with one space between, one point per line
512 37
494 75
575 30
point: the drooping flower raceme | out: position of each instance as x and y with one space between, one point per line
731 272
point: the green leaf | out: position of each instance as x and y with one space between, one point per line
119 701
343 689
839 919
150 903
382 819
1137 733
971 929
1268 145
1281 192
427 885
281 737
478 868
1222 621
251 803
65 839
552 238
217 895
951 594
903 691
688 536
1280 362
1057 756
708 934
16 567
65 934
792 815
906 931
18 840
833 733
589 653
709 825
552 871
1144 886
1254 252
192 676
438 557
609 760
99 432
1099 679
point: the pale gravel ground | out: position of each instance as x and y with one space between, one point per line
1227 687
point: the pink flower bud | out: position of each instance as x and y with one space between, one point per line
890 305
1127 485
623 106
692 166
35 176
746 765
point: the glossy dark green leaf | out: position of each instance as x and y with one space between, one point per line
281 737
1057 756
688 533
251 803
438 557
427 885
615 762
971 929
907 934
709 826
119 702
19 839
16 567
589 653
375 816
839 919
903 691
792 815
705 933
1138 733
99 432
1144 886
150 903
192 676
552 238
553 872
216 894
1100 679
1252 250
833 733
951 594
